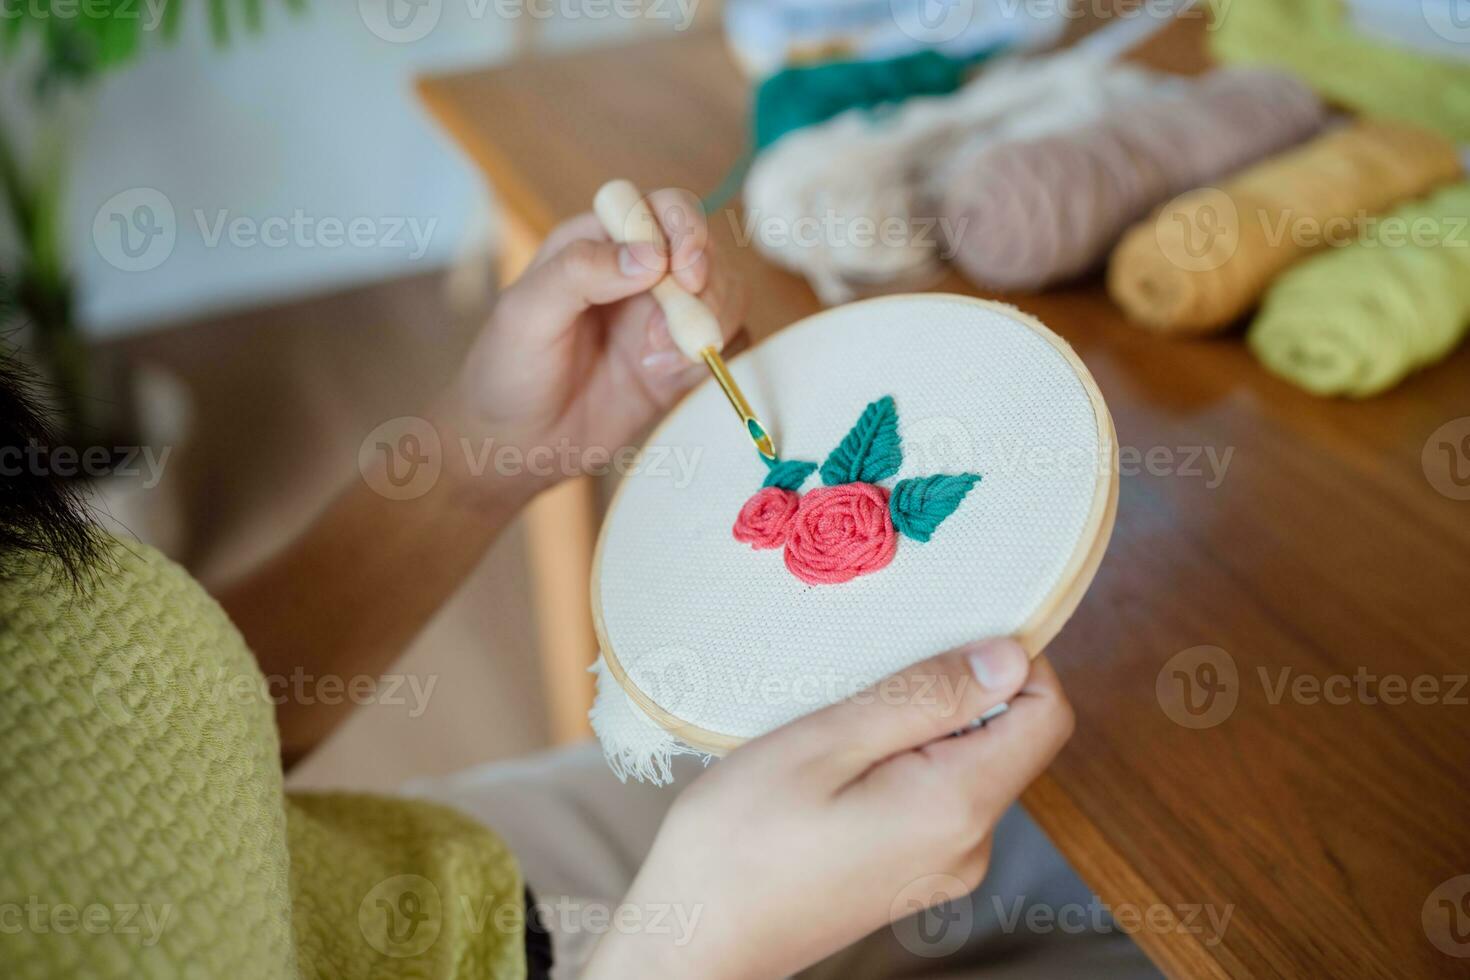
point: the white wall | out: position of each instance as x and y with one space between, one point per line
313 120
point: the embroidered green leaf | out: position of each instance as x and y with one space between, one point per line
870 452
918 506
788 474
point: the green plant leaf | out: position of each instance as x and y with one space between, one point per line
919 505
870 451
789 474
117 40
12 33
171 11
219 21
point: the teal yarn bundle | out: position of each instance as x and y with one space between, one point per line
1357 320
805 95
808 95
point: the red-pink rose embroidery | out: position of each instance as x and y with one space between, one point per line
766 518
840 533
850 526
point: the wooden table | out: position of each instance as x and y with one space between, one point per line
1321 828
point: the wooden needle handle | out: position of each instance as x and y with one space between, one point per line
628 218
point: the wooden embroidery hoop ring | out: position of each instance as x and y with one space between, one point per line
1045 622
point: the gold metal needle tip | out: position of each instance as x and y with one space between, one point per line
753 428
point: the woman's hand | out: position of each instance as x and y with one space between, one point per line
576 358
804 840
574 361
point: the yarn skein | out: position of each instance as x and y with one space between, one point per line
1034 212
801 96
1317 41
1207 256
808 195
804 95
1357 320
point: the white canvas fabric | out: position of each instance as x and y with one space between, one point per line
725 637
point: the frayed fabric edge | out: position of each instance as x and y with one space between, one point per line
634 744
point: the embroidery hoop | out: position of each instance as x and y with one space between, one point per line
1045 621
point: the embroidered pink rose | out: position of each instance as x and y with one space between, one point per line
766 518
840 533
850 525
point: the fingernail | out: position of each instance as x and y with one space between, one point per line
664 362
659 338
694 273
639 260
999 664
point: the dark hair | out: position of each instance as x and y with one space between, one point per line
40 513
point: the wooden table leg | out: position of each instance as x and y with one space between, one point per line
561 533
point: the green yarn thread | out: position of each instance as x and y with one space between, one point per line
870 451
1314 39
1356 320
788 474
918 506
805 95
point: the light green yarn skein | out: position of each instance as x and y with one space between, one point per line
1316 40
1356 320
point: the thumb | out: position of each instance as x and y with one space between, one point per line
582 274
917 705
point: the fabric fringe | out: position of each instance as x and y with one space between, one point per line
634 744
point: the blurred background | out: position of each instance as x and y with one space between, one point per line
259 328
237 236
235 241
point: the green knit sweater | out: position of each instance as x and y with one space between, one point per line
143 827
